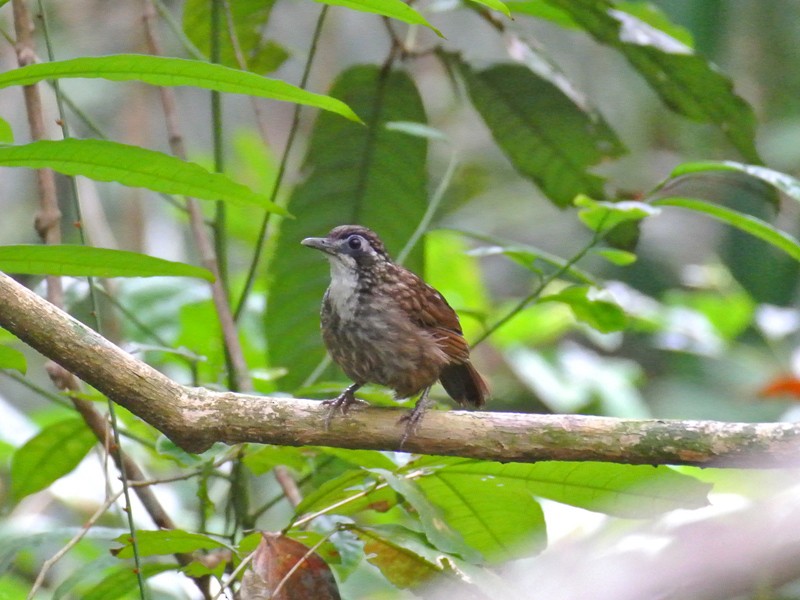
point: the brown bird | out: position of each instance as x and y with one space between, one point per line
383 324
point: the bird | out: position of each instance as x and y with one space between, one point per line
382 324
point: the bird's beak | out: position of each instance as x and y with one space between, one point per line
323 244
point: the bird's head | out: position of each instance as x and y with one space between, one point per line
351 246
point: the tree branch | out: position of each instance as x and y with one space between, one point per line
195 418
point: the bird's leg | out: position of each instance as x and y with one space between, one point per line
414 418
342 402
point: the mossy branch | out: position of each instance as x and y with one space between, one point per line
195 418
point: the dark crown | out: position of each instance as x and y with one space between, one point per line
345 231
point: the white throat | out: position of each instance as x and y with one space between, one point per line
342 291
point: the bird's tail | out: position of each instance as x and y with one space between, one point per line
464 384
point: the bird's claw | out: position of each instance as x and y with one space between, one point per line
341 403
413 418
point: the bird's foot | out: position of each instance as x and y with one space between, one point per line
413 418
342 403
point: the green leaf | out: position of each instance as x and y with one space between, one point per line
544 133
604 216
394 9
494 5
367 175
500 519
6 133
685 82
84 261
752 225
11 358
164 541
123 580
621 258
630 491
249 18
591 306
396 554
164 71
49 455
132 166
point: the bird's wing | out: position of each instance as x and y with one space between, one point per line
425 306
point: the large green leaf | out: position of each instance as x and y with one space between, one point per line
545 134
84 261
165 71
684 81
249 18
631 491
366 175
50 454
132 166
499 518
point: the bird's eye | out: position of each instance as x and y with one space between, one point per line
354 242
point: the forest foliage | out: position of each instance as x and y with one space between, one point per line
581 328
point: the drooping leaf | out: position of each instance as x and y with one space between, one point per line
85 261
164 541
786 184
249 18
365 175
132 166
166 71
11 358
49 455
434 524
394 9
752 225
546 136
398 556
685 81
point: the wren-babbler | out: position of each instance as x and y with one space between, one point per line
382 324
